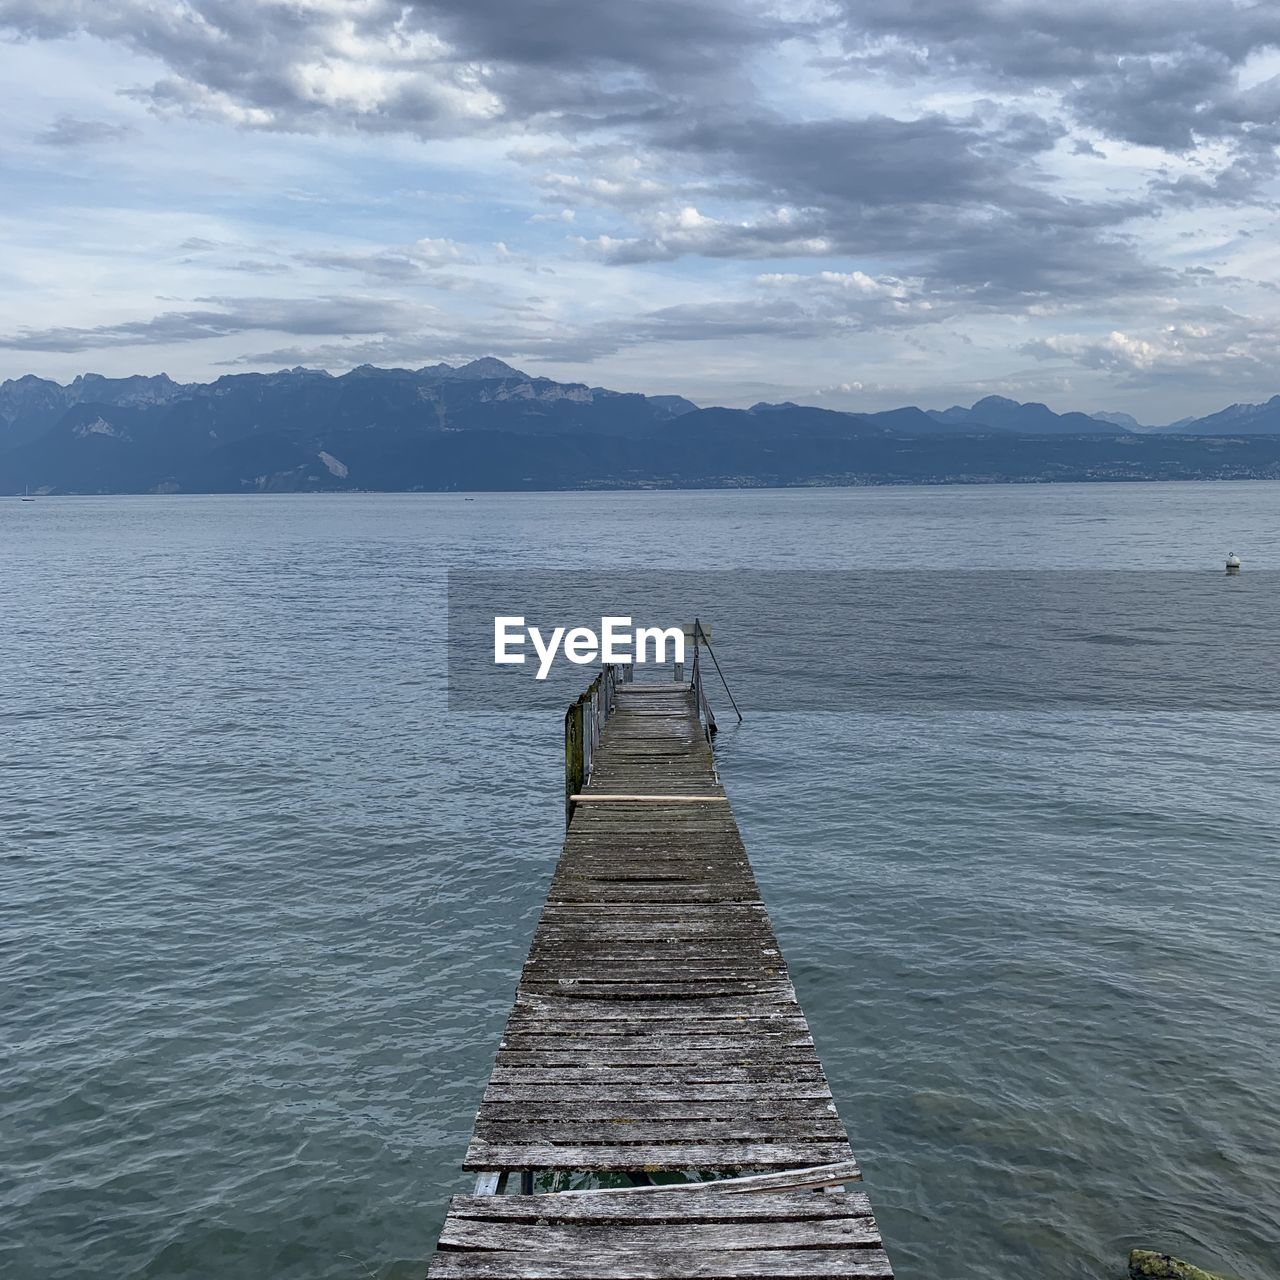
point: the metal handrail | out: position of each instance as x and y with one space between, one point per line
698 631
700 694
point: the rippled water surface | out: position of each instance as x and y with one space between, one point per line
263 898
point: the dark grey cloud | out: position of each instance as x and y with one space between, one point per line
419 263
1161 75
67 131
779 306
1046 42
666 78
660 36
429 345
961 202
412 264
431 67
677 136
219 317
870 162
258 267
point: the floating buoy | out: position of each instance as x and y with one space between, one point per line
1233 563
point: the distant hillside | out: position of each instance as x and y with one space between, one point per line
999 414
1125 420
1236 420
486 425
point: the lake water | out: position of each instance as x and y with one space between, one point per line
263 898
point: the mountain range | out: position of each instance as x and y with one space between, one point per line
486 425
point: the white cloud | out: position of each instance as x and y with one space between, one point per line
805 188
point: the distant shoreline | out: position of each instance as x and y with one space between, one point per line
976 482
486 427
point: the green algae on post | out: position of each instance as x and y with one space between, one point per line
1144 1264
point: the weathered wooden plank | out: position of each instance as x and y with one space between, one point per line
568 971
746 1011
537 1034
577 999
614 937
653 954
664 848
691 888
699 1072
687 1131
566 983
828 1233
827 1175
700 822
705 934
651 968
621 911
622 964
656 951
620 1093
659 873
650 962
711 947
770 1007
669 895
656 1056
651 1264
680 1040
564 1107
668 819
651 1157
680 1020
647 868
619 857
574 983
567 967
655 1206
636 833
663 875
667 797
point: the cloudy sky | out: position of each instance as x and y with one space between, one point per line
857 203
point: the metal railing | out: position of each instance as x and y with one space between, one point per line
585 719
700 637
705 714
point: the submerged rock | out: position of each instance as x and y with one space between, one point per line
1147 1265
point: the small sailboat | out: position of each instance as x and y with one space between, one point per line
26 494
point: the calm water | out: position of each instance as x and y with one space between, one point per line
263 901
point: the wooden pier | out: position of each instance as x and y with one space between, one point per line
656 1034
